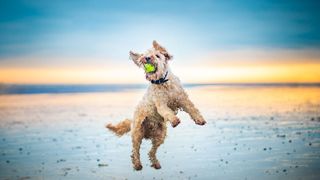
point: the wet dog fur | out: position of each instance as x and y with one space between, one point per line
160 104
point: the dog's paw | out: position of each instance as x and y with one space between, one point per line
175 122
201 122
137 167
156 166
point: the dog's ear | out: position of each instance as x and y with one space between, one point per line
161 49
135 57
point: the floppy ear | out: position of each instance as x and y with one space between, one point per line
134 57
161 49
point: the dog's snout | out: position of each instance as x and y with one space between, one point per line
148 59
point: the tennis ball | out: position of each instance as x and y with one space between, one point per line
149 67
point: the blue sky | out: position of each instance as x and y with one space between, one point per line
70 32
97 28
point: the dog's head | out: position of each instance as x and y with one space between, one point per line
154 61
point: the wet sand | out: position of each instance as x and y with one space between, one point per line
252 133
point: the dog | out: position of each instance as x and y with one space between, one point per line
164 97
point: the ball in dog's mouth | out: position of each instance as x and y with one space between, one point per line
150 71
149 68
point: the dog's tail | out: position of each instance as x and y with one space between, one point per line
121 128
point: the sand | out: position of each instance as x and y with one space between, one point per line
252 133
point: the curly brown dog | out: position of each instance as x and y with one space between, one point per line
164 97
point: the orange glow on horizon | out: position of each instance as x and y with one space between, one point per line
263 73
220 73
65 75
229 66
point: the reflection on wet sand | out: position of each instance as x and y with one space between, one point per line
252 132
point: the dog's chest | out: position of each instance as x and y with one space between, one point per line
170 93
174 105
173 98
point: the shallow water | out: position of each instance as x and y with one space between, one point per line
252 132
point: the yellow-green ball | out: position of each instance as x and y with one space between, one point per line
149 68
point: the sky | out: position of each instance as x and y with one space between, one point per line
212 41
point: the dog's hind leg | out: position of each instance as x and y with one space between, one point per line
157 140
137 136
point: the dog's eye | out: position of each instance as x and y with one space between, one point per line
157 56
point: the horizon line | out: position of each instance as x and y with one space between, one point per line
103 88
188 84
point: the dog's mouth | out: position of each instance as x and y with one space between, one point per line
150 68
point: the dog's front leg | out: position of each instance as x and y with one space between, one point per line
167 113
194 113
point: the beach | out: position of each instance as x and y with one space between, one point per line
252 132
